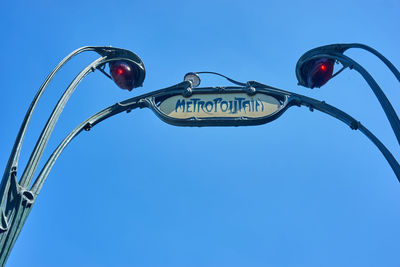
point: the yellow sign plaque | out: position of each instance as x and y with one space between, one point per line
219 106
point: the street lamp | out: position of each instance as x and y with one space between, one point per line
183 104
127 70
315 68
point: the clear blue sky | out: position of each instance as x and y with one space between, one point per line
304 190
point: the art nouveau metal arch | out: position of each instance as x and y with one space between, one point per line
244 104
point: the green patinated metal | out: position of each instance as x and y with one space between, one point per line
18 196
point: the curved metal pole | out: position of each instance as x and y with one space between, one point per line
16 198
105 51
16 192
380 95
45 135
48 129
13 160
23 211
20 213
389 64
353 123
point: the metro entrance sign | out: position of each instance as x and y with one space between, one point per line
233 105
183 104
218 107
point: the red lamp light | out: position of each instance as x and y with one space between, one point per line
318 72
124 74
